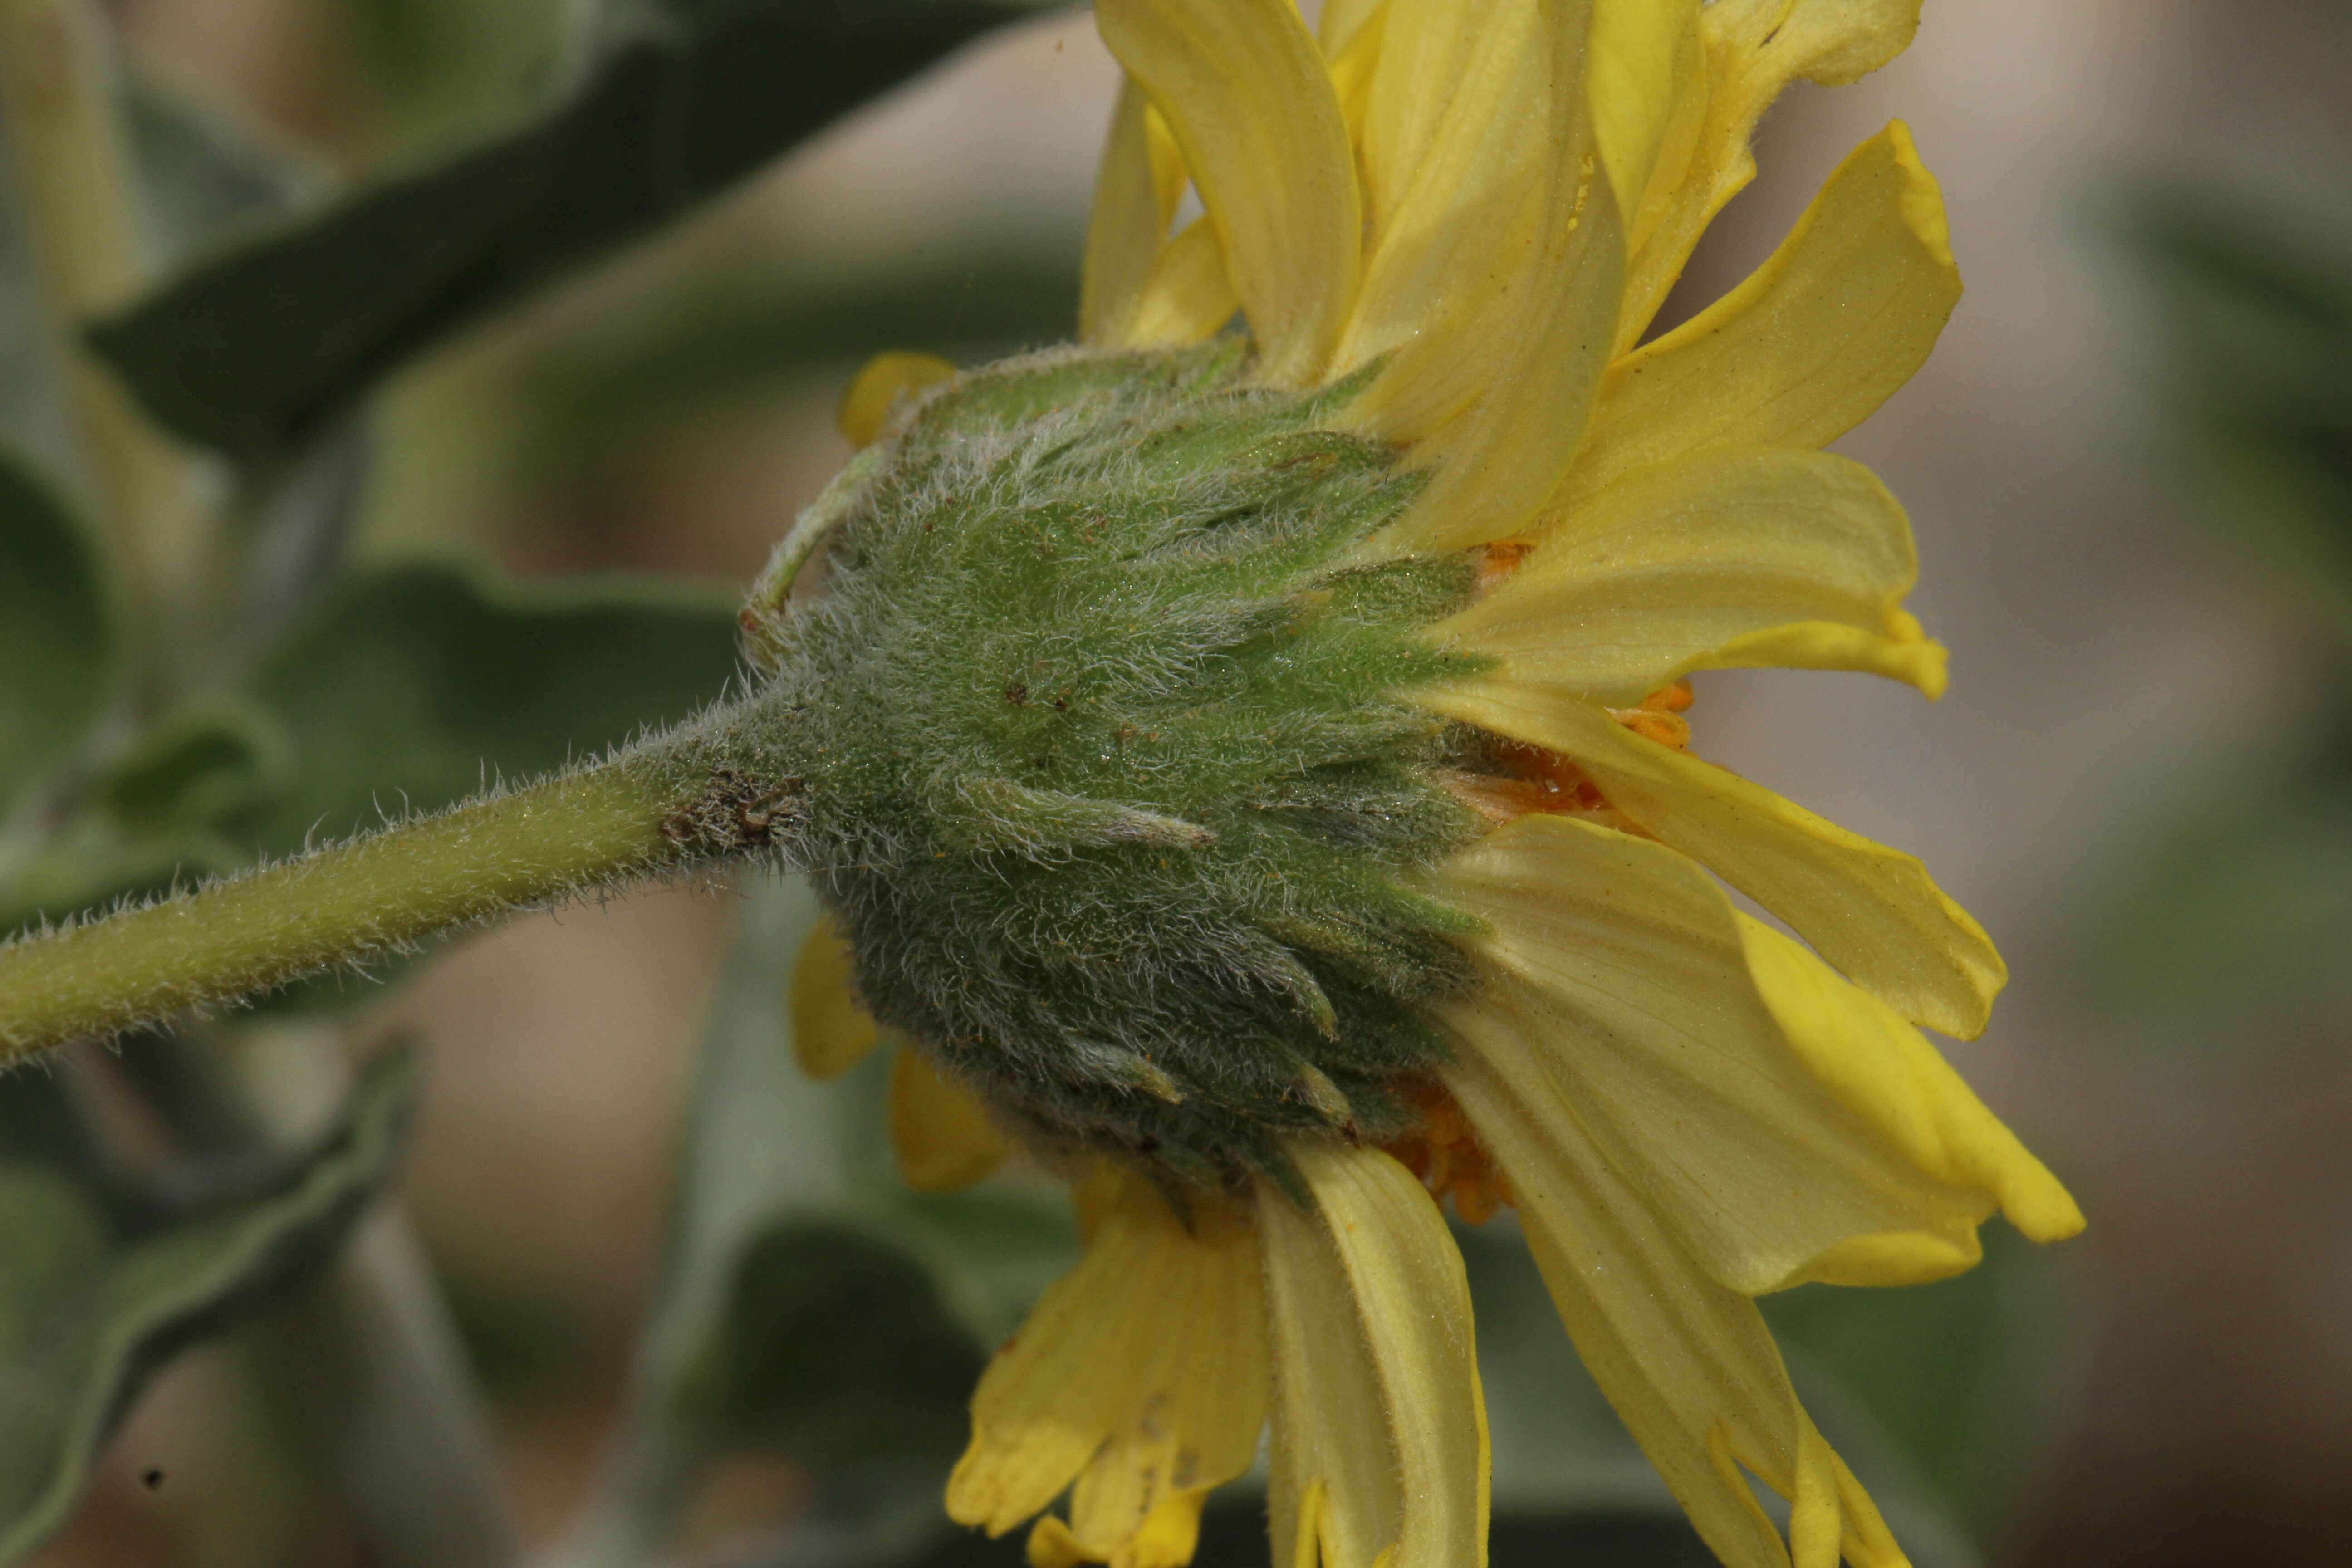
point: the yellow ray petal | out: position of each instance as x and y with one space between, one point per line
1342 21
1434 43
1355 65
1831 42
1188 294
1051 1544
1457 262
874 391
1885 1073
1495 464
1902 651
1243 88
943 1139
831 1032
1451 330
1123 1511
1167 1538
1331 1488
1136 194
1141 1375
1749 51
1687 1362
1808 347
1618 976
1488 113
1742 557
1678 144
1379 1429
1636 46
1872 911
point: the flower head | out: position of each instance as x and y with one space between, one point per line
1252 764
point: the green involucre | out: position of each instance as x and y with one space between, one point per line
1102 757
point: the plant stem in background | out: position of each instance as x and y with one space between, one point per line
648 1480
386 1381
78 190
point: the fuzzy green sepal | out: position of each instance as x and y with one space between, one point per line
1104 759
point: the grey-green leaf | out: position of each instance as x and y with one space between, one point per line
2249 896
221 754
56 638
260 349
799 1255
89 1310
407 687
737 340
834 1345
153 814
2257 309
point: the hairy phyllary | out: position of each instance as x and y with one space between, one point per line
1101 760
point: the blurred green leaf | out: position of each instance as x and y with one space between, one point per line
151 819
56 648
89 1310
207 178
38 1124
408 687
258 350
32 418
221 754
430 68
802 1266
2259 314
1938 1394
728 342
2250 895
832 1345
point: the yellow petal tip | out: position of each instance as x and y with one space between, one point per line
1051 1545
944 1139
831 1032
1923 198
1915 659
874 390
1891 1257
2043 1210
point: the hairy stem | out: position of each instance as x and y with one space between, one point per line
660 806
78 193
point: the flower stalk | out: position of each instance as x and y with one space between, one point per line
661 807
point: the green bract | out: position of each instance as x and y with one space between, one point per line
1101 758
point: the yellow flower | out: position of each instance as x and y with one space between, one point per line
1476 207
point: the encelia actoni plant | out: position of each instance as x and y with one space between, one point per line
1240 759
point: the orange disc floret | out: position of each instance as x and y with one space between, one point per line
1659 716
1444 1151
1499 560
1517 780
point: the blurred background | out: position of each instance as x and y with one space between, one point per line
2129 465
